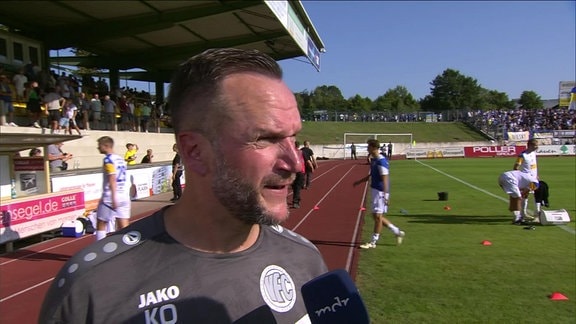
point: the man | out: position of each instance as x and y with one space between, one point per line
7 94
310 163
96 111
390 150
145 112
298 182
517 185
353 152
176 174
380 186
115 202
526 162
130 155
57 158
148 157
53 102
109 113
84 110
218 255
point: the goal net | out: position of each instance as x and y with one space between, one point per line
359 140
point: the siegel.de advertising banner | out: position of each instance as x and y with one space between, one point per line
31 216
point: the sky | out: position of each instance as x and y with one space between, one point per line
374 46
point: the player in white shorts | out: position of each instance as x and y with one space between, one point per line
527 163
115 202
517 185
380 186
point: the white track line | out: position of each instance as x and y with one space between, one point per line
356 228
321 199
26 290
44 250
566 228
319 176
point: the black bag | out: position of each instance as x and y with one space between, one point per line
541 194
64 166
88 227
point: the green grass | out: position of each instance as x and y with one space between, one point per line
443 274
333 132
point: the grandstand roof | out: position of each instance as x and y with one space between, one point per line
157 35
14 142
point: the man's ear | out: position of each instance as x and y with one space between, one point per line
196 152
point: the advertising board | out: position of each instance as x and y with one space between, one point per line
493 151
435 153
29 216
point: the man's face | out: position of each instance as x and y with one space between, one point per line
533 146
102 148
256 158
374 151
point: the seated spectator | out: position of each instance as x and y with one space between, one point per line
148 157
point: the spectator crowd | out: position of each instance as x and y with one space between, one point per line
64 103
521 119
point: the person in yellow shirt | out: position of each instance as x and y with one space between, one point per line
130 155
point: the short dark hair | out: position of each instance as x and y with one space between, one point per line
195 99
373 143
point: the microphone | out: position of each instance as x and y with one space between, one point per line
333 298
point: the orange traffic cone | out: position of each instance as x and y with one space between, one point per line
486 243
558 296
316 207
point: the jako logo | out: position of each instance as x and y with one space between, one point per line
159 296
277 288
332 308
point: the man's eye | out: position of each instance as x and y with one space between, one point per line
269 139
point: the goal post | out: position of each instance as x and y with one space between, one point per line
359 140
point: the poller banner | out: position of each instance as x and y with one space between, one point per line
493 151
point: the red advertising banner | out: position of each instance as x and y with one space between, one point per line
27 217
28 164
493 151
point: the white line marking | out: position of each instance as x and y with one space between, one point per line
355 234
44 250
25 290
322 199
564 227
319 176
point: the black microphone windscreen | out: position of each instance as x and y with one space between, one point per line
333 298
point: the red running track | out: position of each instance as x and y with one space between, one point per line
333 226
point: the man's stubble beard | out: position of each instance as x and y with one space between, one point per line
239 197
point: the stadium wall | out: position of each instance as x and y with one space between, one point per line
85 149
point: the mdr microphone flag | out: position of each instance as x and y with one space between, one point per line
333 298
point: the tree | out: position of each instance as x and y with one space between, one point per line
328 98
497 100
452 90
304 105
397 100
530 100
359 104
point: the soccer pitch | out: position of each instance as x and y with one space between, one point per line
443 274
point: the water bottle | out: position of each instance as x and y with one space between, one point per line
76 164
13 189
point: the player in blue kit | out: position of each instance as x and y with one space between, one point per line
380 191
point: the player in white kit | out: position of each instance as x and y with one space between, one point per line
115 202
517 185
526 162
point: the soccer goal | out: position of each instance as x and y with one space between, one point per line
359 140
